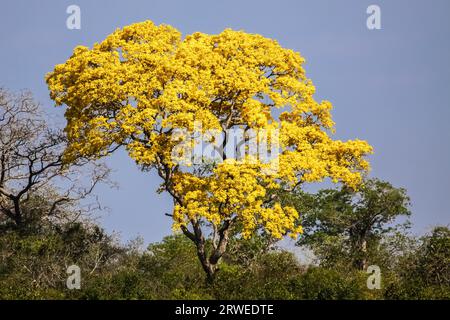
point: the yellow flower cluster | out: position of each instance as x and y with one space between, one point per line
143 81
235 190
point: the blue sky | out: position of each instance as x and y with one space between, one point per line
389 86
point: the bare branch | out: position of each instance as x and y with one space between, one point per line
31 165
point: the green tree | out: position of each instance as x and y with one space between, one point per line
424 273
325 284
33 264
346 226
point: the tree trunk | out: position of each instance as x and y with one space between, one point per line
209 263
361 260
208 267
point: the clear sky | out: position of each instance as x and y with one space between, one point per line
389 86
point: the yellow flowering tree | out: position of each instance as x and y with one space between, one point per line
144 81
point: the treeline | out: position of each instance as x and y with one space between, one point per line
44 230
33 266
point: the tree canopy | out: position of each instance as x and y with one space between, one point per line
347 225
141 83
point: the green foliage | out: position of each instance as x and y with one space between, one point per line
33 265
326 284
33 260
424 273
347 228
267 277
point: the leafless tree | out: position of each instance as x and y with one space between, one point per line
35 183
